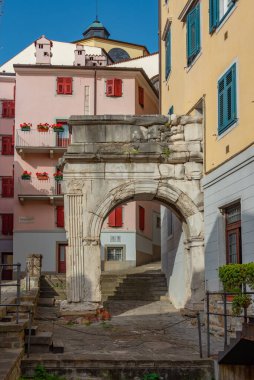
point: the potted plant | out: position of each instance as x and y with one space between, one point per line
43 127
58 127
42 176
240 302
58 175
26 175
235 278
25 126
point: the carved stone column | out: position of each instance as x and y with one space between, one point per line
75 280
83 254
197 264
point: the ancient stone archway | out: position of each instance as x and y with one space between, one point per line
114 159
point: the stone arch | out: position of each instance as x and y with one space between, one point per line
114 159
164 192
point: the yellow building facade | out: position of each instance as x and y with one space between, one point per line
193 84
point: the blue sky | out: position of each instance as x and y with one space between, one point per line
23 21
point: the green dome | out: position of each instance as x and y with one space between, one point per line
96 29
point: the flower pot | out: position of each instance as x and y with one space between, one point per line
42 177
26 177
25 128
42 129
57 130
229 298
58 178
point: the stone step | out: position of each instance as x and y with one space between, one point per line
24 307
34 330
43 338
57 346
46 302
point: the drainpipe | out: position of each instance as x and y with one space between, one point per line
95 92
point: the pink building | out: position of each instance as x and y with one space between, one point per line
49 93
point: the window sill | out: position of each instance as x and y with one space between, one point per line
189 67
228 130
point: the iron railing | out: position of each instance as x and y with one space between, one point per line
225 314
34 138
15 284
36 187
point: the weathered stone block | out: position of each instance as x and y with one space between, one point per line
193 170
193 132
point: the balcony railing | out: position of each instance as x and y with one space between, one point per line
39 189
50 139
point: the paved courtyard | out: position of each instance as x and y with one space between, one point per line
137 330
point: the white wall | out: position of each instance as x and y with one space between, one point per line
231 182
173 258
44 243
127 239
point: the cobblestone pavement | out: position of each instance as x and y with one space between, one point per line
137 330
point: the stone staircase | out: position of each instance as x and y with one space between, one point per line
53 286
149 285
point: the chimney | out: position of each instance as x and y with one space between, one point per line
80 56
43 51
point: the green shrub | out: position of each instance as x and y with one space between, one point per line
40 373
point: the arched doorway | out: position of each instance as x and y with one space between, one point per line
101 174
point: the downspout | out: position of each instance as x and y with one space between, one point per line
95 92
159 34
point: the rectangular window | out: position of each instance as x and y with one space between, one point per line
60 216
141 96
115 218
168 53
233 234
7 187
64 86
115 253
7 145
227 113
8 109
114 87
141 218
7 224
193 33
218 10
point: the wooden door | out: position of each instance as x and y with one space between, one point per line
62 258
7 258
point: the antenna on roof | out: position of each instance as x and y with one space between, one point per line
96 10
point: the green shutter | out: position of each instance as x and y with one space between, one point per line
168 53
213 14
227 100
193 33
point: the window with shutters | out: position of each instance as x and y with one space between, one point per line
227 109
7 146
233 234
141 212
114 87
168 53
218 10
8 109
141 96
7 224
115 218
193 33
60 216
64 86
7 187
